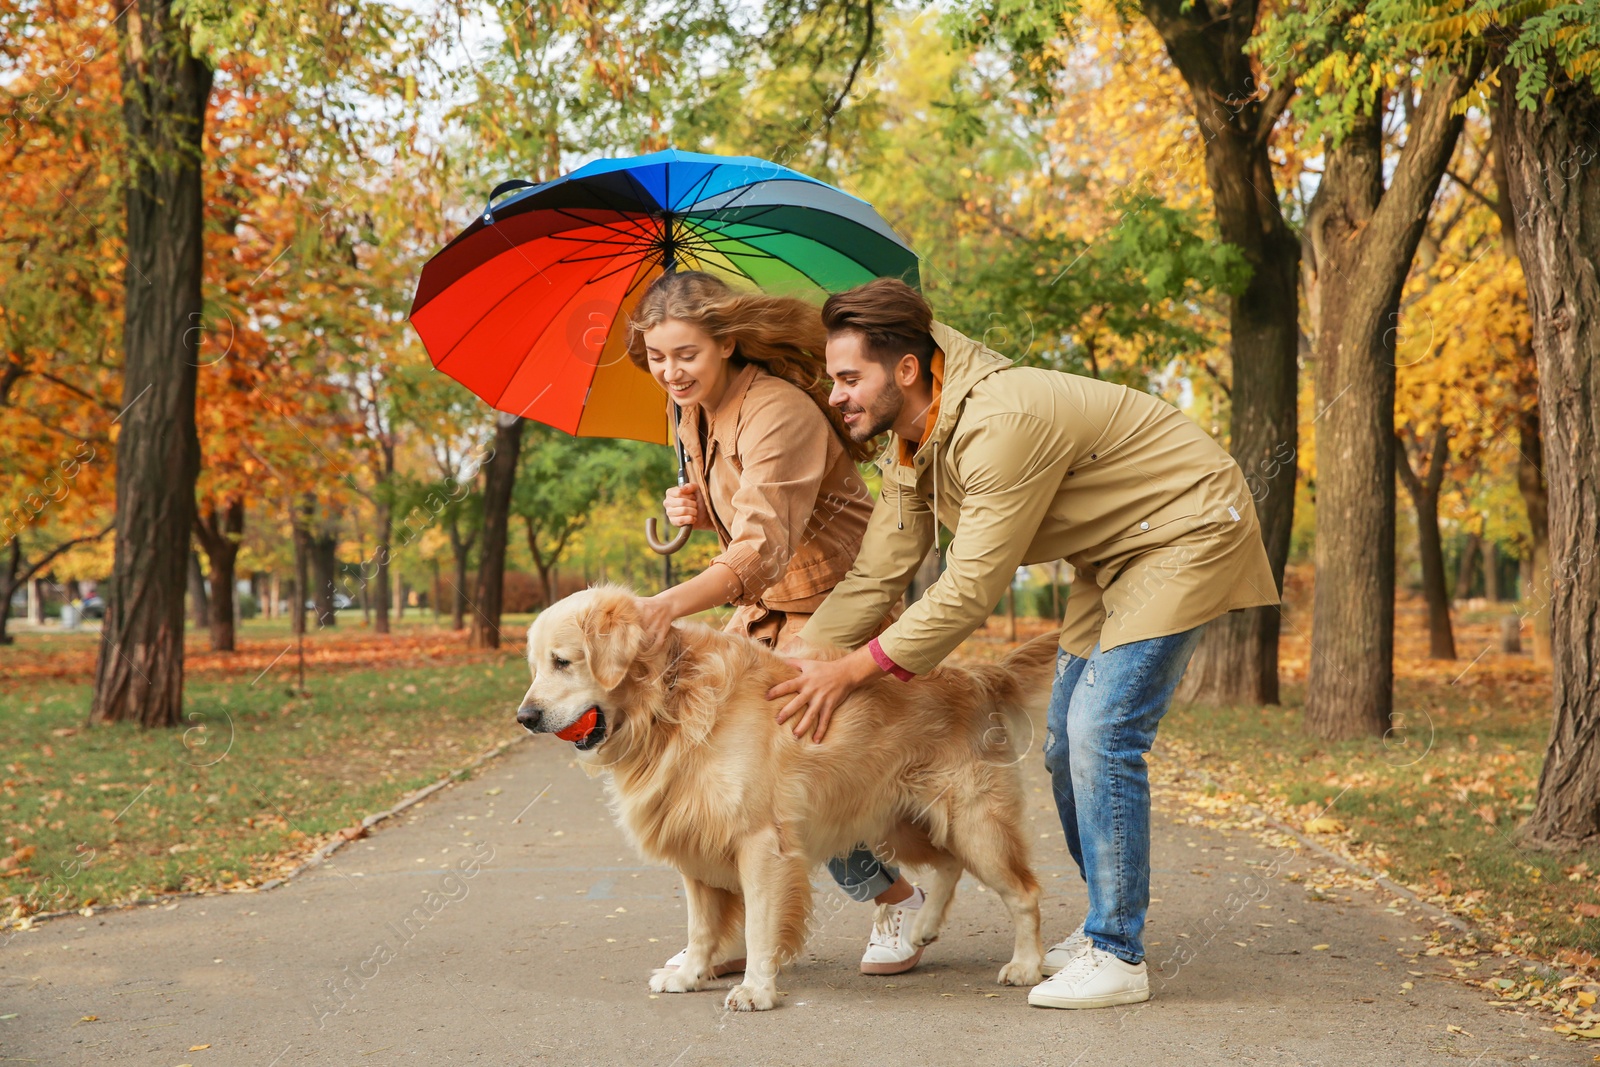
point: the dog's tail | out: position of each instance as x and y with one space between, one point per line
1014 695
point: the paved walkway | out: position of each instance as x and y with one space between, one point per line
504 921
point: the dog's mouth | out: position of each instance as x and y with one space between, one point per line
587 731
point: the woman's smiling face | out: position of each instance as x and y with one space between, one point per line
690 364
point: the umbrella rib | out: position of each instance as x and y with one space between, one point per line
608 226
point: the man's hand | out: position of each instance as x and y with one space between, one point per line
683 508
820 688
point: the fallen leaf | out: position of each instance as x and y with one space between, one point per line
1588 911
197 1048
1323 824
90 1019
1318 948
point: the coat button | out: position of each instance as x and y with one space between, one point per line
1144 526
1071 473
1094 455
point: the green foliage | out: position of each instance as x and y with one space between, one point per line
1124 284
561 480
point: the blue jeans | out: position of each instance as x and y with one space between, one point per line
862 875
1102 720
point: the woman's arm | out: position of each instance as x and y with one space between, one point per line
717 584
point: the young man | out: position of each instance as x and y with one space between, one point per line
1024 465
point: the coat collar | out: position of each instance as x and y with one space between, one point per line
724 418
966 363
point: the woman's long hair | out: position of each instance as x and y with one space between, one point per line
782 335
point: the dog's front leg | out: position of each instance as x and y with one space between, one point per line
707 906
777 898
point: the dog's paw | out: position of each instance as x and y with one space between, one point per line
925 931
746 997
1019 973
674 980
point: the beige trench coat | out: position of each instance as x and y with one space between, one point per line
786 501
1024 466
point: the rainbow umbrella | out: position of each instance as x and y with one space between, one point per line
528 306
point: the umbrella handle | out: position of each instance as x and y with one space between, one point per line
666 548
504 187
651 528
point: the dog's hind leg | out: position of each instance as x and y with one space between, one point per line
984 835
712 912
777 900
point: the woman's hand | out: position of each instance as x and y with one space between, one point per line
820 688
683 507
656 616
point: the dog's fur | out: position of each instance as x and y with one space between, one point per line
703 779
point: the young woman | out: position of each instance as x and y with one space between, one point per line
772 471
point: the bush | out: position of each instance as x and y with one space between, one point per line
249 606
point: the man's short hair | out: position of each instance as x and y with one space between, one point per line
892 318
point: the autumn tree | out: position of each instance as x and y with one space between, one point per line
1548 107
165 88
1236 108
1362 230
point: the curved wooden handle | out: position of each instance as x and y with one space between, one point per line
665 548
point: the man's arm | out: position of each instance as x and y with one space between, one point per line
1011 467
898 537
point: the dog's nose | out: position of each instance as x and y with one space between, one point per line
529 714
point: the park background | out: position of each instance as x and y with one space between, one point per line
1346 238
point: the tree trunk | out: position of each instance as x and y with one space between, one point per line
219 535
1424 490
1491 571
1236 661
1363 237
500 477
1536 499
139 674
380 598
10 578
460 549
1536 589
1470 552
301 535
324 558
1555 193
199 603
544 565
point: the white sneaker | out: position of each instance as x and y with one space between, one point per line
1094 978
889 949
726 967
1061 954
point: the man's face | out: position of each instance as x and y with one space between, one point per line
863 390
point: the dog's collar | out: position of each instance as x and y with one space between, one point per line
587 731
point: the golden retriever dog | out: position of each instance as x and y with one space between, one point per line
702 778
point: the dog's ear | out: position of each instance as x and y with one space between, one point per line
612 637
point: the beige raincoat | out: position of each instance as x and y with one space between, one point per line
1024 466
786 501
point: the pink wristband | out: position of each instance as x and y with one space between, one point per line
881 658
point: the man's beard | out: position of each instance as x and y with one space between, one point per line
878 418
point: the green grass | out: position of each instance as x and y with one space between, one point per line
1437 807
109 813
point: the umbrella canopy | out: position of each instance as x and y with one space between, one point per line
528 306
